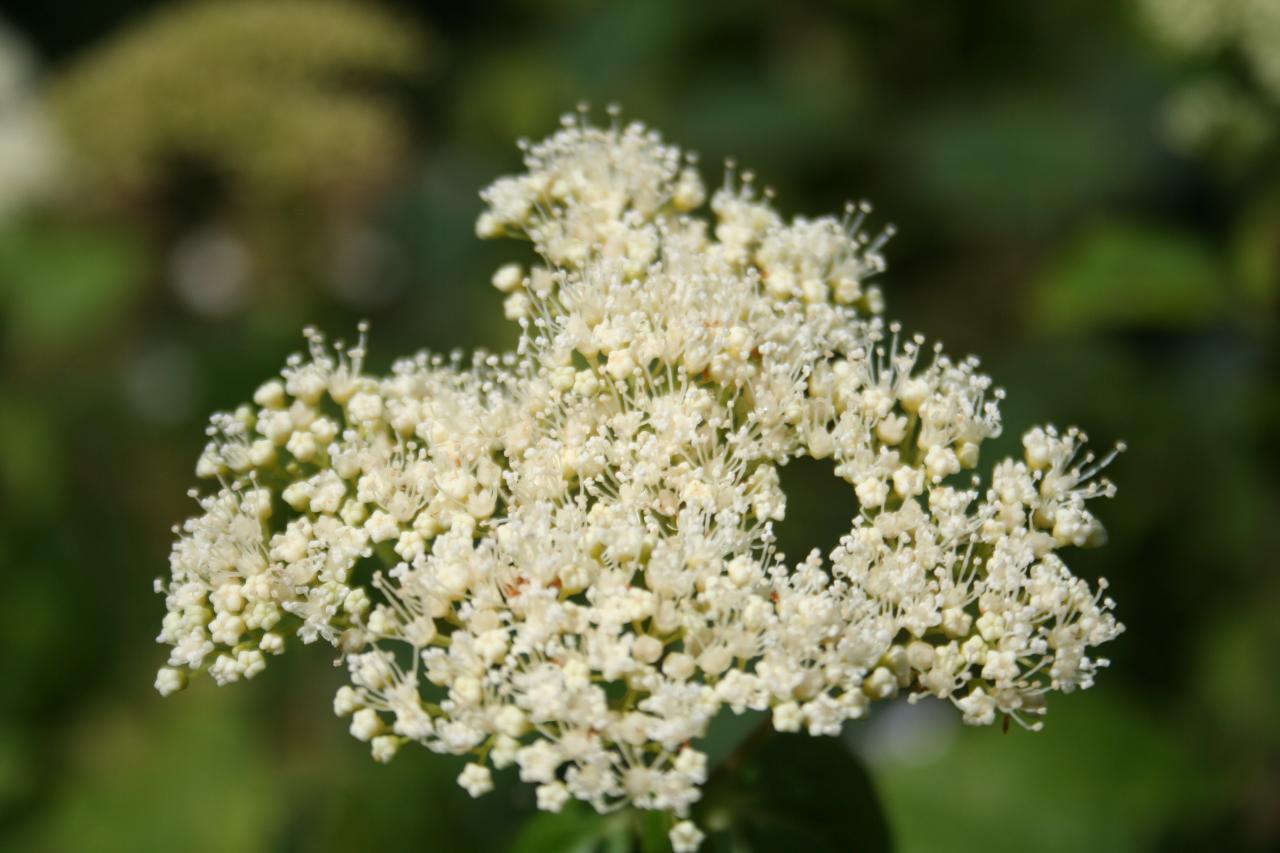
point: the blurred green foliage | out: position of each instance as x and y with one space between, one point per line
1106 776
61 282
1109 243
1118 275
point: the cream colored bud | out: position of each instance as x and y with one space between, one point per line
508 277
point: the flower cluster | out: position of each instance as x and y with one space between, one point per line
1249 27
30 161
203 82
563 558
1227 113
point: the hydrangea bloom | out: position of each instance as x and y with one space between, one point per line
563 558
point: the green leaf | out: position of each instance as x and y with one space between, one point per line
727 732
1123 275
577 829
1106 776
58 283
1256 255
1015 161
652 829
193 779
792 792
31 461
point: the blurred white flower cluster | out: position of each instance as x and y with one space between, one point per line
29 164
1213 110
1205 26
563 558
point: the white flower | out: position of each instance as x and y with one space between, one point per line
30 160
365 723
563 557
538 762
476 779
169 680
1249 26
384 748
552 796
979 708
685 837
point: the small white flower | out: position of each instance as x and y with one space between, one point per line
787 717
685 837
365 407
170 680
384 748
365 723
508 277
476 779
346 701
552 796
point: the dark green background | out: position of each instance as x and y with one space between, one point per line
1047 222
